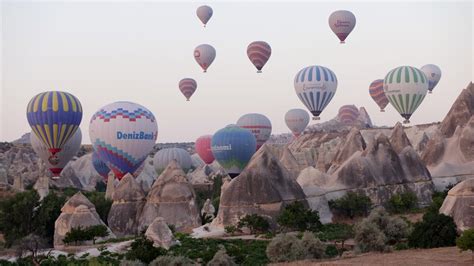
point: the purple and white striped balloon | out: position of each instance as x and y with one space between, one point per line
259 52
187 86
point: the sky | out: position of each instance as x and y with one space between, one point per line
108 51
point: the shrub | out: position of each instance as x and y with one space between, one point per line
351 205
401 246
221 259
231 229
435 230
171 261
336 233
466 241
402 202
96 231
131 263
314 248
102 205
394 228
369 237
296 216
256 223
78 234
331 251
143 250
285 247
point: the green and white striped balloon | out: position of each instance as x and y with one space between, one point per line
405 88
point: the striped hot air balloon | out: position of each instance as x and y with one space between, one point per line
405 88
187 86
259 125
233 147
259 52
296 120
54 117
69 150
100 166
376 92
433 74
204 14
342 22
348 114
315 86
123 134
163 157
203 148
204 55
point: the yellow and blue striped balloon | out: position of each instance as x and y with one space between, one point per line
54 116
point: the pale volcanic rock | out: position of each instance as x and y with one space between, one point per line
351 144
459 204
399 139
160 234
460 112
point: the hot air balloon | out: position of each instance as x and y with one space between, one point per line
165 156
315 86
405 88
187 86
259 125
296 120
203 148
376 92
204 13
204 55
342 22
123 134
348 114
101 167
233 148
54 116
68 151
259 52
433 74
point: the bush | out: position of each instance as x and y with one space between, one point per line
231 229
336 233
102 205
256 223
221 259
314 248
402 202
171 261
401 246
143 250
466 241
394 228
78 235
331 251
285 247
435 230
369 237
131 263
296 216
351 205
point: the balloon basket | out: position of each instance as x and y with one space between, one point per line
205 71
406 121
430 92
316 118
259 71
382 110
187 100
342 42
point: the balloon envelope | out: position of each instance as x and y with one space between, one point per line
377 93
69 150
100 166
187 86
348 114
433 74
259 125
163 157
259 52
203 148
204 13
342 22
123 134
405 88
233 147
204 55
296 120
54 117
315 86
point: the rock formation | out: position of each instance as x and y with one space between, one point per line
264 188
399 139
173 198
77 211
18 184
128 201
459 204
42 186
460 112
147 175
161 235
110 189
352 143
208 209
3 179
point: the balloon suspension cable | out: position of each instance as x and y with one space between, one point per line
406 121
316 118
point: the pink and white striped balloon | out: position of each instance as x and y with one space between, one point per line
187 86
259 52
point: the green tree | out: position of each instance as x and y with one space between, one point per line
76 235
435 230
102 205
351 205
466 240
256 223
96 231
46 215
296 216
336 233
402 202
143 250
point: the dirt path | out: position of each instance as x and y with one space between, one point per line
437 256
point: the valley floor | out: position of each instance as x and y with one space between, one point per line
437 256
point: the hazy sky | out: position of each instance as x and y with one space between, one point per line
138 51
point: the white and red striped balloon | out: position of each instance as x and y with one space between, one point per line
348 114
259 125
259 52
187 86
